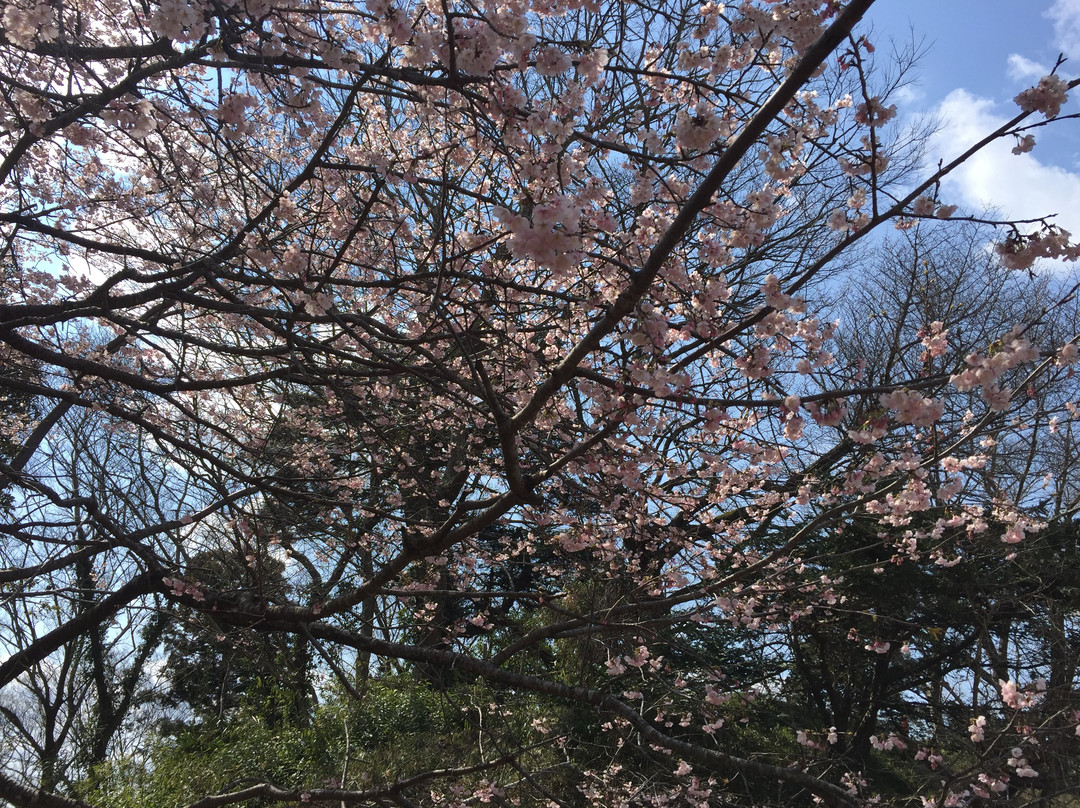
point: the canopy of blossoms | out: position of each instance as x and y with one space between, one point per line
504 327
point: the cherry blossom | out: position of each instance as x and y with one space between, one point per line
1046 97
873 112
977 729
1024 144
697 131
502 345
551 61
23 26
911 408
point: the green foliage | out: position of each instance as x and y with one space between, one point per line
211 758
217 670
399 727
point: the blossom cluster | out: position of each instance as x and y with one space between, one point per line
1046 97
22 26
911 408
985 371
1021 251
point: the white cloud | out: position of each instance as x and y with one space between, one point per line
1022 69
1065 14
80 266
1017 186
908 96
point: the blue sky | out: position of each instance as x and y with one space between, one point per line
979 55
970 41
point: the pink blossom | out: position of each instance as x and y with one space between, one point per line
874 113
180 20
23 26
977 729
773 295
1014 534
639 657
1010 694
950 488
923 206
832 416
954 799
1045 97
838 220
714 697
1024 144
935 338
995 784
870 433
592 64
478 49
894 741
1068 355
756 364
233 114
615 667
551 61
1019 762
983 371
911 408
864 164
712 726
698 131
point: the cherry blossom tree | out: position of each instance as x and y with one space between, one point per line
501 332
